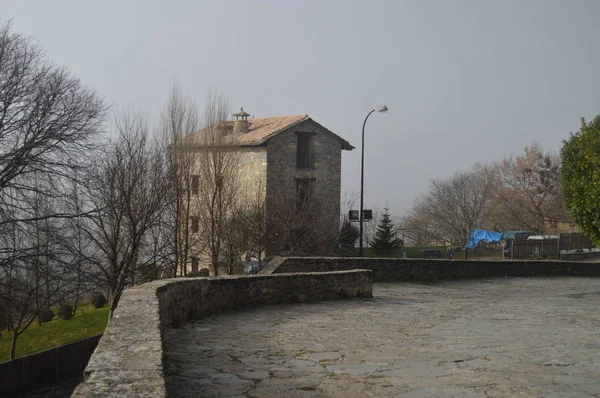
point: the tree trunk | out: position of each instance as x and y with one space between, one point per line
117 292
215 262
13 346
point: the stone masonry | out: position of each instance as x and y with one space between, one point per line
128 361
267 151
343 350
326 156
429 270
486 338
253 173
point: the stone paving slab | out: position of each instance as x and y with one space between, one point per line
535 337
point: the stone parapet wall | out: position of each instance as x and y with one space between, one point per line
396 270
128 359
582 256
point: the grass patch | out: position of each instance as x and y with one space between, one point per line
87 322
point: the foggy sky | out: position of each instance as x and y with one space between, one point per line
465 80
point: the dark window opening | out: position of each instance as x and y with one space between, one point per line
303 150
194 264
195 185
195 225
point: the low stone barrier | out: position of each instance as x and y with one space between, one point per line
128 359
582 256
425 270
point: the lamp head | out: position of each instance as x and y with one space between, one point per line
382 109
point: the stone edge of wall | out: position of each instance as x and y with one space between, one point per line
128 359
583 256
427 270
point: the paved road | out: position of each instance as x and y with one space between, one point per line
488 338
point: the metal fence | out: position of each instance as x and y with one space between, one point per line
521 249
456 252
535 249
46 367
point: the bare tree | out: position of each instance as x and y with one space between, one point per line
299 222
417 229
254 223
127 190
216 165
179 120
49 123
456 206
529 190
34 275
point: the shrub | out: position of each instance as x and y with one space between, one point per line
98 300
46 315
65 311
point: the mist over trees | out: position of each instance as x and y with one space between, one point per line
98 200
50 123
92 200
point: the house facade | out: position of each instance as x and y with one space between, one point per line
292 163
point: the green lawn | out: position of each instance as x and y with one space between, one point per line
88 322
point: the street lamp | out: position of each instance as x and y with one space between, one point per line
362 173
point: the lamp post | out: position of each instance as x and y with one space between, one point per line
362 174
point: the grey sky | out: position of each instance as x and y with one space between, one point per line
465 81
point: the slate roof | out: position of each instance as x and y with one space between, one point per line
260 130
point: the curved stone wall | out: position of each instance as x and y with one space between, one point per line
426 270
128 359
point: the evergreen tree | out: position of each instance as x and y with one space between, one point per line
580 177
385 236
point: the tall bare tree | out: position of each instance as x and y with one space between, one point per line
127 190
49 123
216 165
246 230
179 119
529 189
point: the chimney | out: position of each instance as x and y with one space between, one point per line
240 124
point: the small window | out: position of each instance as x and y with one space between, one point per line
303 190
303 150
195 185
195 225
194 264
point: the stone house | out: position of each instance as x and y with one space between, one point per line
295 164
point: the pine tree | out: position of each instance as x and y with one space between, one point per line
385 236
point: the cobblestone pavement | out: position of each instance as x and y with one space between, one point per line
484 338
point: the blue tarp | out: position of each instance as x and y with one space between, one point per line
482 234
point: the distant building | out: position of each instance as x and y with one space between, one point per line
296 163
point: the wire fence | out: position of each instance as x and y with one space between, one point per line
440 252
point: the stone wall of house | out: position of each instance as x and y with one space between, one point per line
325 155
128 359
253 173
251 189
425 270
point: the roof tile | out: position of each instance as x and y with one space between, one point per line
259 130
